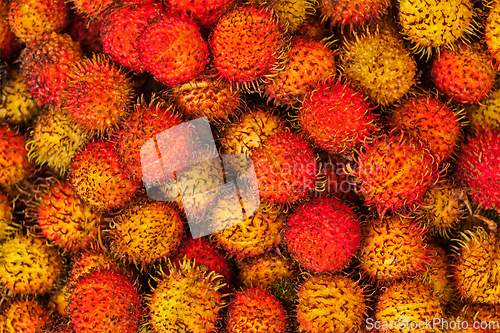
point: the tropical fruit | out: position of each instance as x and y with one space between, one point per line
24 316
492 33
9 46
486 114
330 303
14 163
86 32
5 216
380 65
323 234
353 13
248 45
293 13
205 13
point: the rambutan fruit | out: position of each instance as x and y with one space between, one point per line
14 163
475 270
17 105
255 309
293 13
429 121
173 50
204 96
286 168
30 18
86 32
315 28
100 178
442 208
5 216
147 121
59 328
437 274
406 304
186 300
206 13
323 234
63 219
492 33
45 63
481 318
336 118
92 9
308 63
266 269
54 140
334 181
431 25
478 168
352 13
99 93
251 131
205 254
121 29
394 173
331 303
486 114
59 300
28 266
105 301
379 64
9 46
245 235
463 75
392 248
147 232
24 316
248 46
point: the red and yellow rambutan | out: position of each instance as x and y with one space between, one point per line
14 163
24 316
206 13
9 45
353 13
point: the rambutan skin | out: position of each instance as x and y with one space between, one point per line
173 50
14 163
323 234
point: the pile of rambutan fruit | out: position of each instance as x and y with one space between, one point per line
373 131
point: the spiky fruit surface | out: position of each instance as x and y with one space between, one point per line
92 8
481 318
59 300
264 270
121 29
186 300
100 178
206 255
105 301
88 261
98 94
476 268
442 208
248 236
30 18
286 168
64 220
247 45
148 231
344 117
8 43
392 248
353 13
14 164
380 65
204 96
173 50
251 131
5 215
492 33
24 316
437 274
86 32
28 266
293 13
45 63
415 300
17 104
478 168
314 28
323 234
60 328
486 115
308 62
146 122
206 13
255 309
463 75
435 24
394 173
428 120
55 139
330 303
